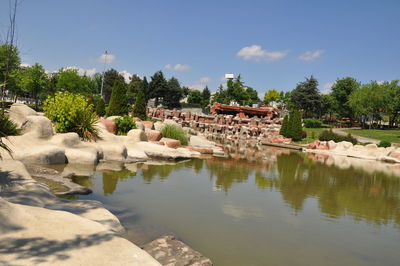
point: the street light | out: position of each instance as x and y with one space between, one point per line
102 79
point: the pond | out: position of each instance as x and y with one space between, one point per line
261 206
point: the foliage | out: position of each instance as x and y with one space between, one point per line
175 132
7 128
139 110
71 113
32 80
295 128
312 123
271 96
110 78
118 102
328 135
174 94
158 86
205 95
385 144
285 127
99 105
306 97
341 91
9 61
69 80
195 97
133 88
236 91
124 124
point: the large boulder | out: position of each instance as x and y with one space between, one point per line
169 251
82 155
19 112
201 142
44 154
153 135
112 151
147 124
161 152
110 125
171 143
66 139
135 155
38 126
135 135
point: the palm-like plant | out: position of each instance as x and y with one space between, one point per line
7 128
86 126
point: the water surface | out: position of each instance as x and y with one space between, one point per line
261 207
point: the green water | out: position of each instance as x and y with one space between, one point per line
261 207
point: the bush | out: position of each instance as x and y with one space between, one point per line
284 127
312 123
71 113
118 102
139 110
7 128
328 135
385 144
175 132
124 124
295 128
99 106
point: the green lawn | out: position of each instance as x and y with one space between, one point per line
392 135
309 138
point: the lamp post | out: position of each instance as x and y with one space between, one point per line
102 79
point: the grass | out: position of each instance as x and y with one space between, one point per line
175 132
391 135
309 138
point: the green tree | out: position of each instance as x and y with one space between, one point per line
295 128
285 127
328 104
195 97
205 95
174 94
158 87
110 78
9 61
69 80
392 102
118 102
341 91
271 96
145 89
133 88
33 81
139 110
306 97
100 106
253 95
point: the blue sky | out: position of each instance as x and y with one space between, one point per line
272 44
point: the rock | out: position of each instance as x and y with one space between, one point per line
135 155
113 151
136 135
66 139
169 251
113 117
38 126
82 155
140 125
46 154
19 112
110 125
153 135
371 146
313 145
331 144
198 141
171 143
147 124
158 126
162 152
201 150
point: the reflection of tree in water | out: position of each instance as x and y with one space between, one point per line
149 172
110 179
364 196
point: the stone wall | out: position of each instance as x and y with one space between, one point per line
225 126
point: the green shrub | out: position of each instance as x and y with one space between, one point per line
139 110
7 128
313 136
295 128
385 144
124 124
99 106
118 102
175 132
312 123
328 135
285 126
71 113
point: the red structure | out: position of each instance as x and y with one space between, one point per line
244 112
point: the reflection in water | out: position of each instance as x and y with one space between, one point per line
369 196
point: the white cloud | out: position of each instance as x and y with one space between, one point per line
257 53
106 58
177 67
380 82
127 76
311 55
82 71
327 88
24 65
200 83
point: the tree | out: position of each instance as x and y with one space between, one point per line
253 95
392 102
9 61
158 87
306 97
285 127
32 80
145 89
174 94
271 96
195 97
69 80
205 95
100 106
118 102
133 88
328 104
139 110
295 128
110 78
341 91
